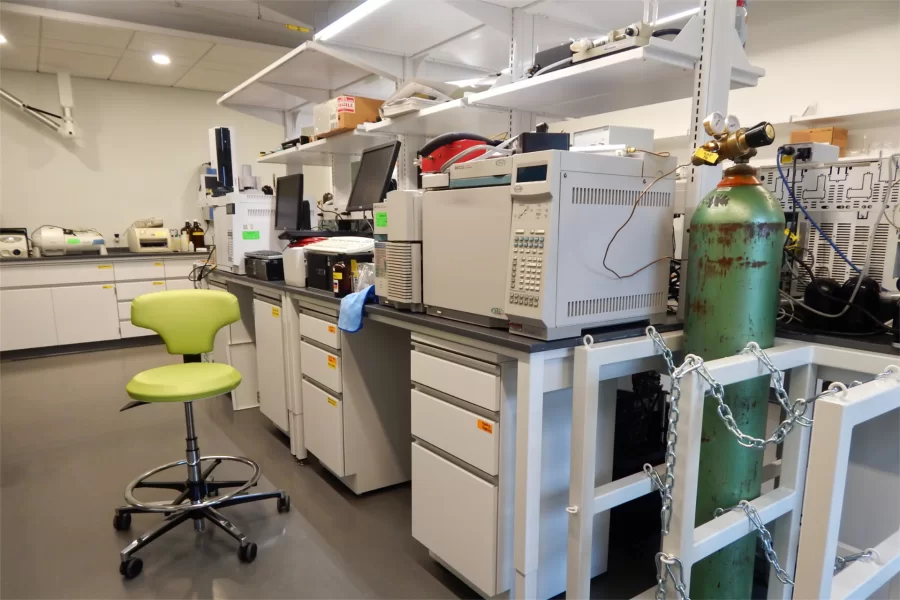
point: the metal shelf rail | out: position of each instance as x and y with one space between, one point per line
811 550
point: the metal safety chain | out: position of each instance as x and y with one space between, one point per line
664 561
778 381
841 562
764 536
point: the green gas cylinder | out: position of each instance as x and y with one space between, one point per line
734 261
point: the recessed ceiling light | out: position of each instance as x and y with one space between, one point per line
2 39
161 59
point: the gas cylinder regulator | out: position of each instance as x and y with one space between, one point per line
731 141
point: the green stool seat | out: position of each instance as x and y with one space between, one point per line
183 382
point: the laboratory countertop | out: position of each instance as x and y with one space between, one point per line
498 337
94 258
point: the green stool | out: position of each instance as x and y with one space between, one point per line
187 321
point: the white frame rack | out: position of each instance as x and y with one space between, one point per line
811 550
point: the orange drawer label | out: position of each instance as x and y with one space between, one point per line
332 329
332 362
332 401
485 426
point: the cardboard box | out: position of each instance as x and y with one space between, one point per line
824 135
344 113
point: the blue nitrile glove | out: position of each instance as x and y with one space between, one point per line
351 316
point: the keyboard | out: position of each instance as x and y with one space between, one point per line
343 245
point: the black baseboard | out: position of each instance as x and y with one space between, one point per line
135 342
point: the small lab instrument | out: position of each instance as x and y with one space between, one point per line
635 35
614 135
148 235
50 240
566 209
244 225
295 261
291 210
398 279
13 242
267 265
373 177
217 177
434 154
321 257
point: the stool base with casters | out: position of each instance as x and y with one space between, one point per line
198 500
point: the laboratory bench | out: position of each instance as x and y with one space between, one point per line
76 299
477 418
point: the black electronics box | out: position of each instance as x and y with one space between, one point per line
550 56
268 269
319 267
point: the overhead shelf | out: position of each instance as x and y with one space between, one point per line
658 72
319 153
874 118
310 73
455 115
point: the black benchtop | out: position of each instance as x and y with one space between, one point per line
114 254
499 337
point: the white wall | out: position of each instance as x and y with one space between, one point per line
144 146
836 54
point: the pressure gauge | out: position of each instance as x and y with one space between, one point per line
714 124
732 123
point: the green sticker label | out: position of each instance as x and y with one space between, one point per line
250 235
381 219
73 241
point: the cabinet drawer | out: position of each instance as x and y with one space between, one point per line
178 269
131 270
323 427
129 331
465 383
125 311
130 291
179 284
463 434
322 331
55 274
454 514
322 366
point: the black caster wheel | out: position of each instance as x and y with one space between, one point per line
247 552
284 504
122 523
131 568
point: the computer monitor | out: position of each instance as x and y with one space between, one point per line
374 176
289 204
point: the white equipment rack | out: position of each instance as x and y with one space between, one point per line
811 550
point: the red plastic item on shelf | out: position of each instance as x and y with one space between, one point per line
436 160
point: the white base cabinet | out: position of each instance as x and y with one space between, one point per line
27 319
86 313
48 302
270 354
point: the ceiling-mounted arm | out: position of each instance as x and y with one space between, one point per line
38 116
66 126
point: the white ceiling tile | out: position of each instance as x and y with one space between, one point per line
137 67
237 58
82 48
78 64
180 47
21 57
210 80
21 29
80 33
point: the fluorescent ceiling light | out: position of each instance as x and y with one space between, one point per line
161 59
360 12
2 39
677 16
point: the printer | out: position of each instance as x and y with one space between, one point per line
148 235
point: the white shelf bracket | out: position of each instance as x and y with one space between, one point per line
492 15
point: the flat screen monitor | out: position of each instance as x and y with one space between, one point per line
374 176
289 203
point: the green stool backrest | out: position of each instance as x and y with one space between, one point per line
186 320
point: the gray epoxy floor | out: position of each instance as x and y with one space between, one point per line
66 454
